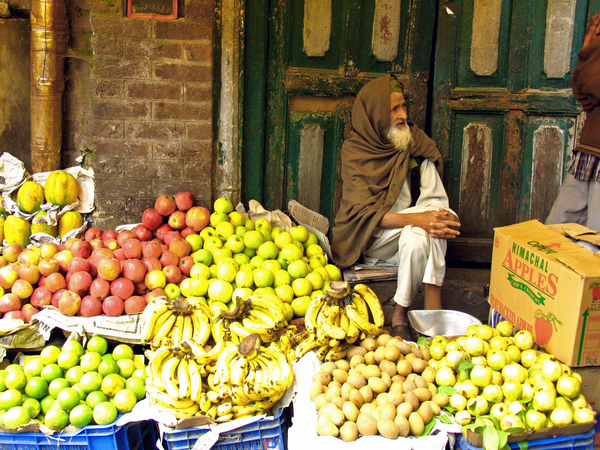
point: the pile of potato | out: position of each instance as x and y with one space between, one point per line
384 386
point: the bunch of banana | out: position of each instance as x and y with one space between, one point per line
262 313
167 323
339 318
174 382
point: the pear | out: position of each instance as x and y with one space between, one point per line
492 393
582 415
569 386
544 400
536 419
478 405
481 375
551 369
561 415
512 390
458 402
511 421
498 411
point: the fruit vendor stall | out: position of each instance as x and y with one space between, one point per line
214 324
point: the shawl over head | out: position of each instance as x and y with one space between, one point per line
373 171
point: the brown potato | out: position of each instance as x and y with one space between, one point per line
433 388
403 425
416 424
408 385
350 411
388 367
369 344
410 356
332 392
385 377
366 424
356 398
324 378
441 399
356 380
423 394
417 352
349 432
404 409
343 364
392 353
320 401
345 391
379 354
420 382
412 398
315 389
370 358
425 354
404 367
395 397
328 367
388 428
382 339
371 371
396 386
337 401
339 375
429 374
405 347
418 365
388 412
337 417
356 360
435 408
367 408
354 350
367 393
425 412
327 429
377 385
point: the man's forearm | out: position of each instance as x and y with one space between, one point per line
395 220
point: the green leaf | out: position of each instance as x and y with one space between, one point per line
503 440
423 341
491 440
448 390
428 427
523 445
465 365
445 419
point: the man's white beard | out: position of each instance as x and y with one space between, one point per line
401 139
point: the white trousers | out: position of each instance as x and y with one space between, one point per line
420 258
577 202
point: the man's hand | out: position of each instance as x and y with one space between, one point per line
440 224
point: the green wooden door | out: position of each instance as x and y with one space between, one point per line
504 116
297 100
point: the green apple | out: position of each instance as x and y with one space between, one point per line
313 250
468 389
300 305
505 328
244 279
266 234
236 218
299 233
514 352
445 377
302 287
524 339
263 277
224 230
240 231
496 359
242 293
218 217
481 375
195 241
207 232
457 401
285 292
298 269
272 264
544 400
249 224
561 416
282 239
249 252
568 386
223 205
492 393
290 253
221 253
253 239
241 259
199 271
263 224
212 243
317 293
289 311
498 411
267 250
335 274
202 256
281 277
197 287
312 239
498 343
172 290
583 415
265 290
227 270
275 231
511 421
474 346
220 291
257 261
316 279
235 243
536 419
551 369
478 405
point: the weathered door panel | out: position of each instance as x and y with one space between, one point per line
503 114
320 53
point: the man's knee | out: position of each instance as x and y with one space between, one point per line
413 240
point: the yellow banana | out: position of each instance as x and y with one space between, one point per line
300 337
201 326
352 332
180 413
237 370
360 304
210 357
223 361
164 329
305 346
155 366
177 331
336 353
239 330
322 351
310 318
270 304
153 319
361 322
374 305
243 411
224 408
204 403
202 308
284 343
183 378
169 377
218 329
188 327
259 315
195 380
338 289
256 327
329 326
159 397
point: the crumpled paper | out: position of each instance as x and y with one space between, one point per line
257 211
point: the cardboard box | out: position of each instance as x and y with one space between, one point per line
543 282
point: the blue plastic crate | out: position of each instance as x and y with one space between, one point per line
132 436
264 434
584 441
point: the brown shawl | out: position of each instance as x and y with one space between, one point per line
586 87
373 171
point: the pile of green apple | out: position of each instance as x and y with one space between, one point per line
235 255
496 378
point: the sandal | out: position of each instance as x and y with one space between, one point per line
402 331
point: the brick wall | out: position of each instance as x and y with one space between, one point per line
140 98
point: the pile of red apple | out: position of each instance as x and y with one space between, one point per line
105 272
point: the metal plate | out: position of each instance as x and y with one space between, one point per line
441 322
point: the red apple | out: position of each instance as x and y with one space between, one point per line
172 274
55 282
120 254
81 248
63 257
11 252
177 220
123 235
180 247
187 231
56 297
22 289
168 258
28 256
184 200
132 248
152 219
152 263
140 287
142 233
100 253
109 269
99 289
197 217
165 205
134 270
14 315
134 305
90 307
41 297
185 264
48 266
69 303
9 302
162 230
28 311
109 234
29 272
97 243
113 306
48 250
112 244
80 282
170 235
78 264
92 233
122 287
151 248
154 293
